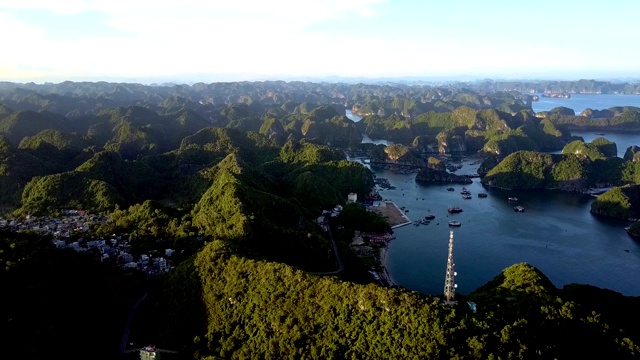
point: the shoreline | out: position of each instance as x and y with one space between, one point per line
396 218
394 215
383 265
402 213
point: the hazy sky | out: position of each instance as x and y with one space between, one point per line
212 40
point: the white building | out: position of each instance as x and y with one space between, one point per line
352 197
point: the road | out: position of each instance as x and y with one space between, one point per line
127 326
335 252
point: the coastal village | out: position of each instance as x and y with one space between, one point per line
73 230
372 245
70 229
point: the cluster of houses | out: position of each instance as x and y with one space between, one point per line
115 250
72 221
323 219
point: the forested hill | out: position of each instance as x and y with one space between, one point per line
233 178
580 166
77 98
135 119
261 309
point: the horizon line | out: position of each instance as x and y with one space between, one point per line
152 81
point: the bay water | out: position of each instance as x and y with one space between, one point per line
580 102
556 232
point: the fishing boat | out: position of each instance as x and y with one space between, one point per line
513 199
454 223
518 208
454 210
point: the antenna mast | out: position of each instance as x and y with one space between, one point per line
449 280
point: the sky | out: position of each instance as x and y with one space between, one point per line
212 40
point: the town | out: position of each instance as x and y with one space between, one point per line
73 230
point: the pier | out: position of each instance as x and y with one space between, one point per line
395 217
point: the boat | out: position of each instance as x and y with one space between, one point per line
430 217
513 199
518 208
466 196
454 209
454 223
482 195
465 192
451 189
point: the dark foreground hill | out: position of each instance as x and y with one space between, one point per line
224 305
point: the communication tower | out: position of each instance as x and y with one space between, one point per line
449 280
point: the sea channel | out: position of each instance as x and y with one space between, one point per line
556 232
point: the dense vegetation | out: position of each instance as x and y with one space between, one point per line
233 176
580 166
620 202
613 119
262 309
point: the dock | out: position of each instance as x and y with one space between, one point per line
392 213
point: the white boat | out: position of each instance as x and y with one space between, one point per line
454 223
518 208
513 199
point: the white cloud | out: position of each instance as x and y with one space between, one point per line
18 41
62 7
169 37
278 37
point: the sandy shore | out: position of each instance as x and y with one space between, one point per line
394 215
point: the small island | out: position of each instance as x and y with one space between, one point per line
428 175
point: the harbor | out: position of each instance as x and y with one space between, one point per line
395 216
555 225
373 245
